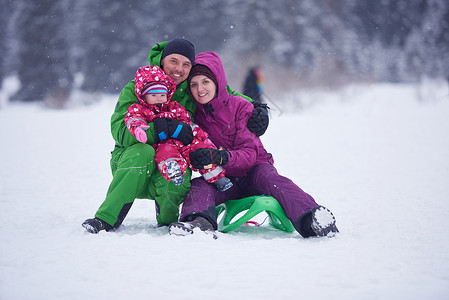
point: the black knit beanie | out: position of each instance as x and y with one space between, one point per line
202 70
180 46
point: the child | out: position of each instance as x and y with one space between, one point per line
154 90
247 163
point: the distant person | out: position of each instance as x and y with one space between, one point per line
154 90
247 163
135 174
253 87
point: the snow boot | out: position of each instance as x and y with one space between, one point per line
323 222
174 173
187 228
223 184
95 225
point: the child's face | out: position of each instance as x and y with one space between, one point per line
155 98
203 89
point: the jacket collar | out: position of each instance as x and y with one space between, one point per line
214 106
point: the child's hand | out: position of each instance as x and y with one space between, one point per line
168 128
141 134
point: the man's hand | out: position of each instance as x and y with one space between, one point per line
258 123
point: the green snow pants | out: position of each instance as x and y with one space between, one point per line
135 175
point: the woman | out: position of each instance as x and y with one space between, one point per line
248 165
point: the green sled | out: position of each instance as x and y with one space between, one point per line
254 205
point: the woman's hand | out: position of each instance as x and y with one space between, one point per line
203 157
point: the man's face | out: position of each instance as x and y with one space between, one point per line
176 66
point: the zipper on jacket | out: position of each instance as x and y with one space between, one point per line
209 109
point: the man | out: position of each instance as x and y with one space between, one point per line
135 174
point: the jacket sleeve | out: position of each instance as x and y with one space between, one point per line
134 118
244 153
120 133
231 92
181 114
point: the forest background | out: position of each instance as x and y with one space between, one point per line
53 47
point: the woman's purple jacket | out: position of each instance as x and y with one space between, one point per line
225 118
250 168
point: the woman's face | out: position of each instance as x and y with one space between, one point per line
202 88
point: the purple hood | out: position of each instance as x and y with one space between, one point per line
224 118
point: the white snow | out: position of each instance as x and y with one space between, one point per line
379 160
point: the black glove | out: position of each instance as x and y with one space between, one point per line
206 156
168 128
258 123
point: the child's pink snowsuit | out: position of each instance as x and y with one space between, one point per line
139 114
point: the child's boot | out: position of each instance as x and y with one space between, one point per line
174 173
223 184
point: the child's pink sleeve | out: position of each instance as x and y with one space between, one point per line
135 118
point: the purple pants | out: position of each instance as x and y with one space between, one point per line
263 179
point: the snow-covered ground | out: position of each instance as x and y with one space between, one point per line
377 156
